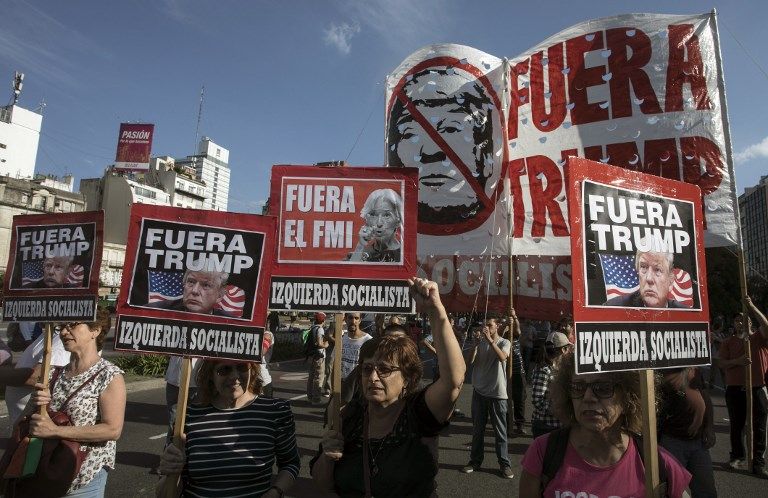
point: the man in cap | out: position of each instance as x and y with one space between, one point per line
317 359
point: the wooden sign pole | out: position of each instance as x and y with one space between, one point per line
335 408
45 371
511 290
650 449
172 480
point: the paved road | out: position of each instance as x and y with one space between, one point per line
144 431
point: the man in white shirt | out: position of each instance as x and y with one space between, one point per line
351 343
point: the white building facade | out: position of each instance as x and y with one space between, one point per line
211 164
19 138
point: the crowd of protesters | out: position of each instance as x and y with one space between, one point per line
586 428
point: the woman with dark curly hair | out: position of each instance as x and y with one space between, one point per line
234 437
386 447
601 414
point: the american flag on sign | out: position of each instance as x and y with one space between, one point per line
165 286
619 275
75 276
31 272
232 301
620 279
682 287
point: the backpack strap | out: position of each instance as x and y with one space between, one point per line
554 454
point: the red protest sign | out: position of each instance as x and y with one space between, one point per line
346 239
195 282
639 274
53 267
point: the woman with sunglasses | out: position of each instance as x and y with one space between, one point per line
387 444
601 415
91 390
233 437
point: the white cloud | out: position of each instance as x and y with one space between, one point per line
753 151
402 24
340 36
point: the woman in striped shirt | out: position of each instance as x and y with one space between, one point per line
234 437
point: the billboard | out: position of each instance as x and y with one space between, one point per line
491 137
346 238
639 276
195 282
134 146
53 267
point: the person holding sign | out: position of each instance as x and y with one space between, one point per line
201 291
234 436
91 390
385 446
596 453
734 360
381 234
654 271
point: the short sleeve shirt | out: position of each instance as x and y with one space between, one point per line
318 333
625 478
489 375
83 410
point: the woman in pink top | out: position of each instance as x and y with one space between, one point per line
600 413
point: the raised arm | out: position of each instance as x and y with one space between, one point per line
761 319
441 396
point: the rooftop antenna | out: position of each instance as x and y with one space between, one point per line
18 83
199 117
41 106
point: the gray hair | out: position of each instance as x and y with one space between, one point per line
387 194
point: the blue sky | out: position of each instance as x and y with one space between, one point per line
295 82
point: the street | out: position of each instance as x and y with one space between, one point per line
144 434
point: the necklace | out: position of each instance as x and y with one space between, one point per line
375 466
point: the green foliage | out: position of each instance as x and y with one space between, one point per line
147 365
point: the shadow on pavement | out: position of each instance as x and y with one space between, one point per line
138 459
148 413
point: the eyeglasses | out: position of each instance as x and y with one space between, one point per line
72 325
225 370
383 371
601 389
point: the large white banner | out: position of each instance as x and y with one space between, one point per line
640 91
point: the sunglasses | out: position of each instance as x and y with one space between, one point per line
601 389
225 370
383 371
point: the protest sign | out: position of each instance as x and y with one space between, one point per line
346 239
53 269
195 283
639 277
641 91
